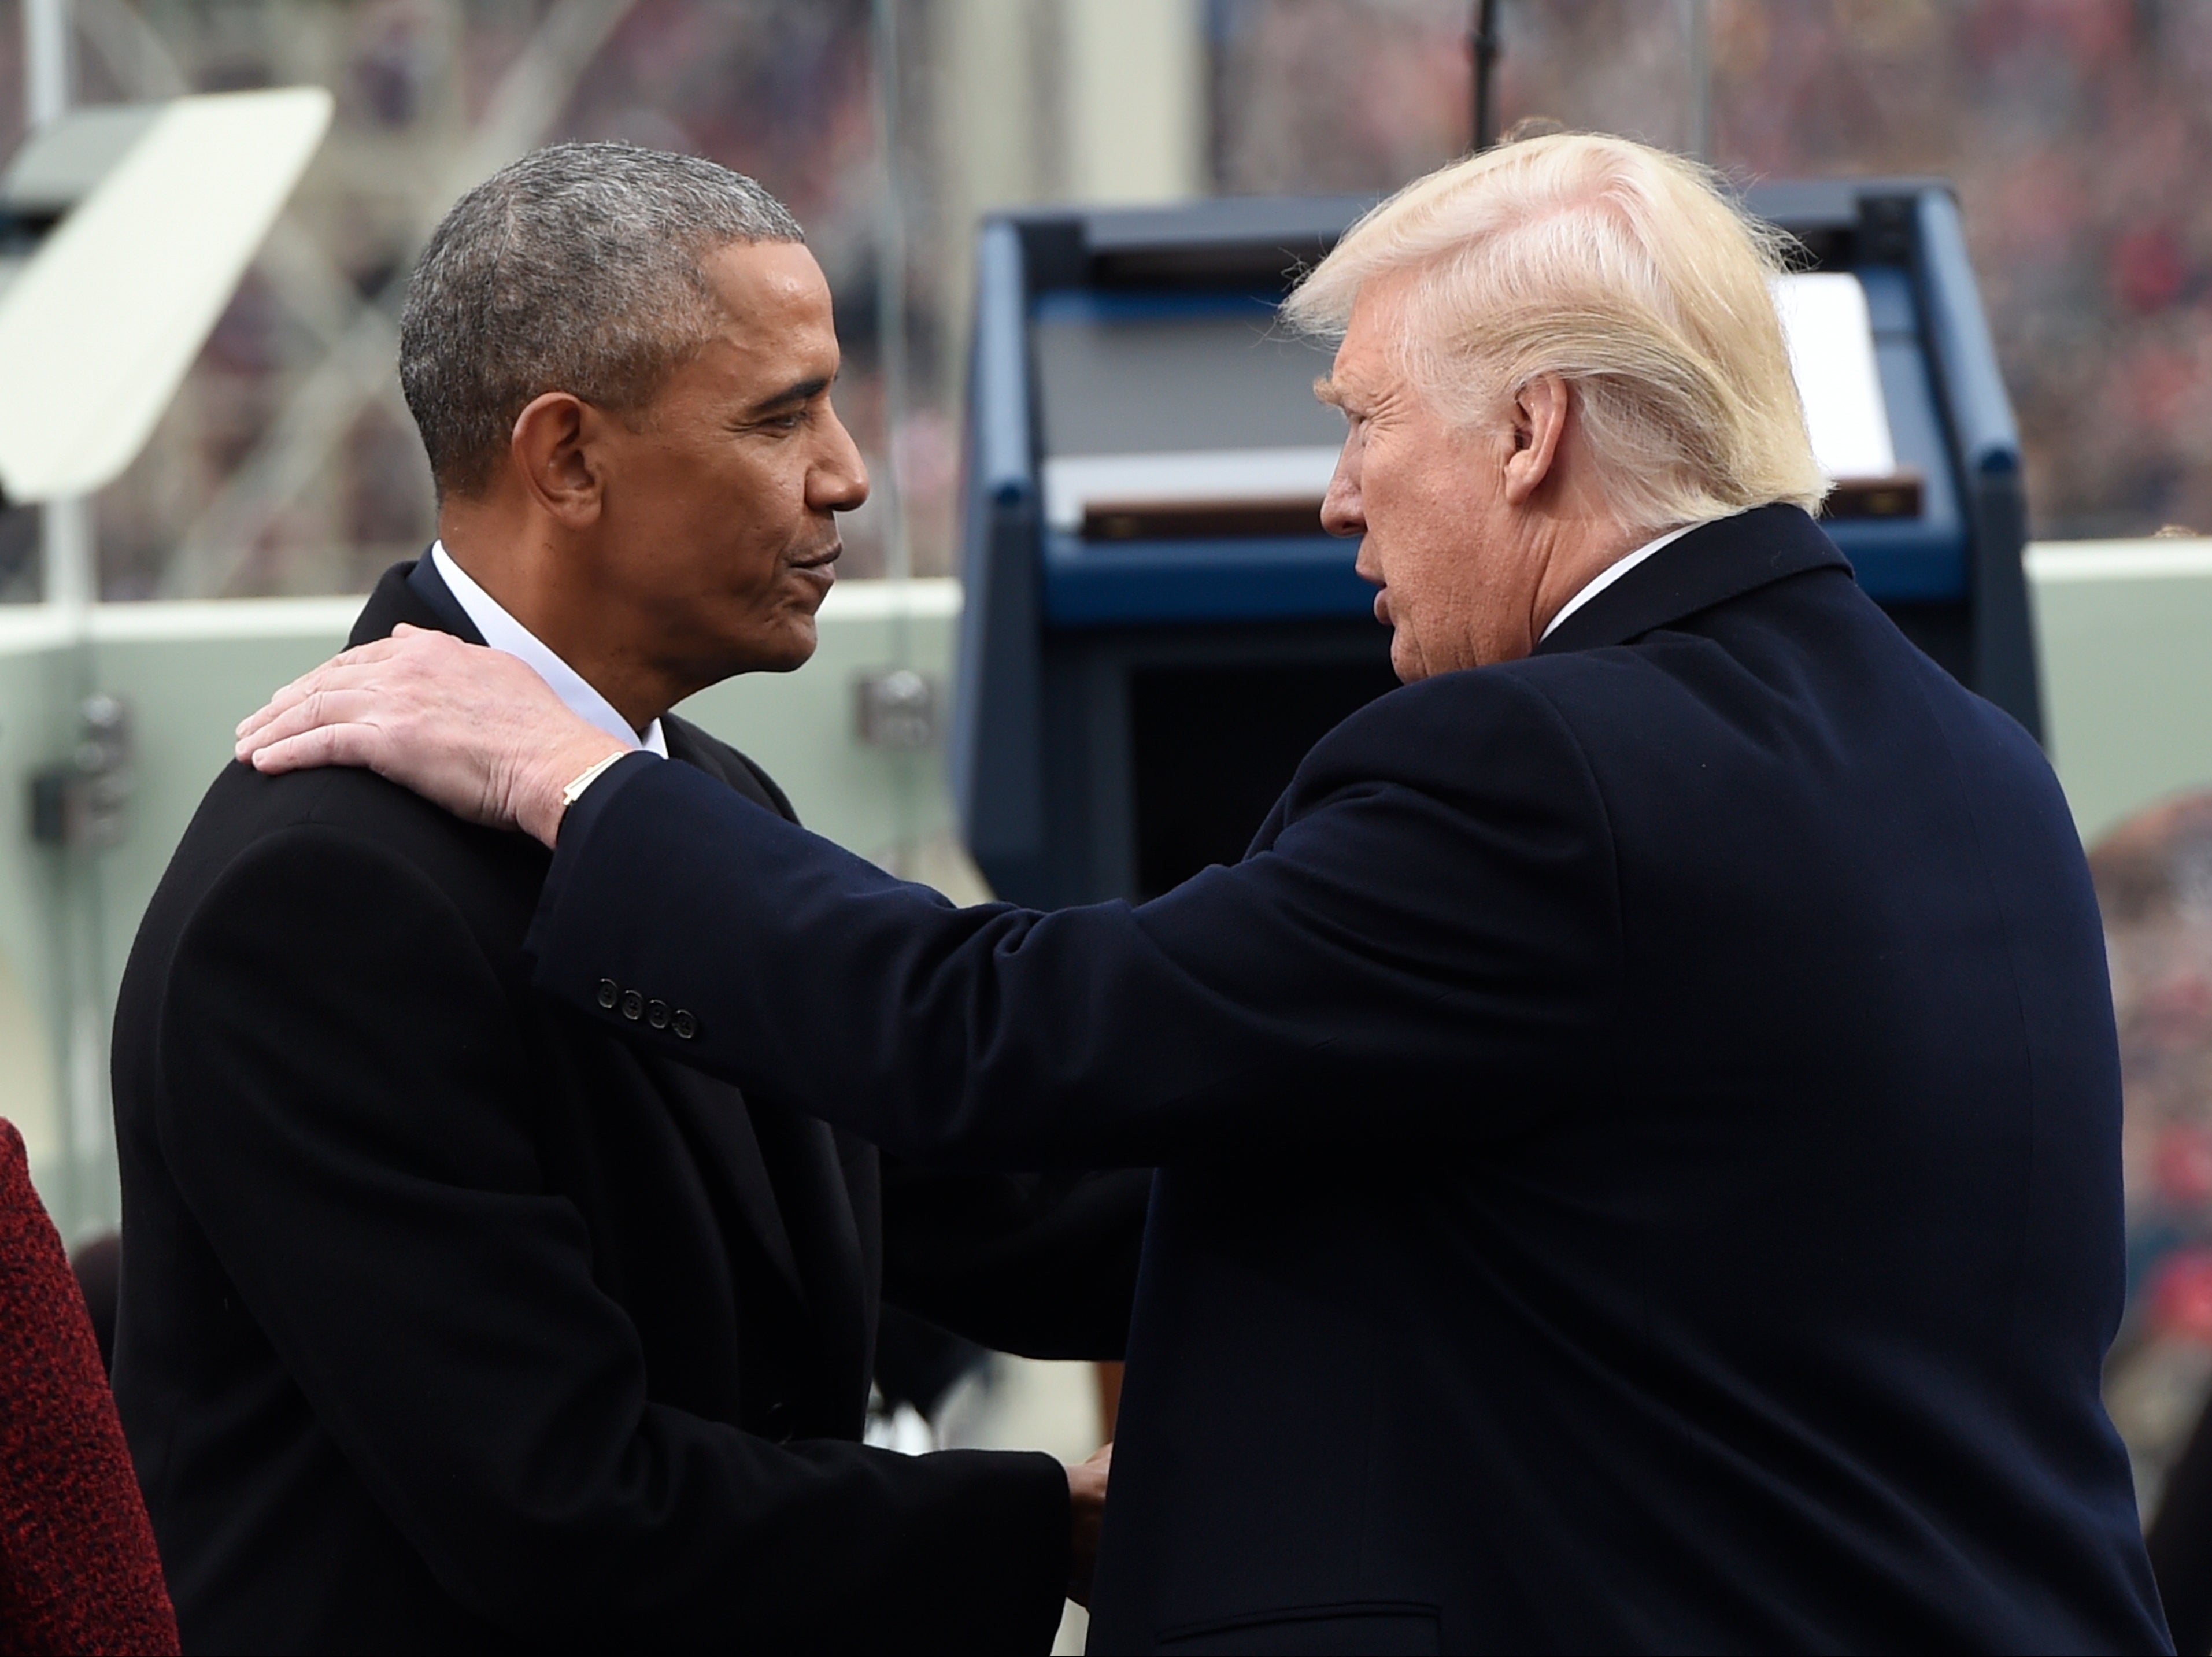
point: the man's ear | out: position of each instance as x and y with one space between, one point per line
1539 412
555 457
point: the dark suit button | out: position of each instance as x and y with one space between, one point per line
610 993
633 1006
684 1025
656 1014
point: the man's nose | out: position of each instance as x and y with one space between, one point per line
1341 513
839 482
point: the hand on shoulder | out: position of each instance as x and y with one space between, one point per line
472 728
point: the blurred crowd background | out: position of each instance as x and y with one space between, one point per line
2074 130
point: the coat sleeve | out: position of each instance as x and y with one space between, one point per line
1425 947
346 1107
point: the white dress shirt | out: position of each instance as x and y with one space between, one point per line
502 632
1613 572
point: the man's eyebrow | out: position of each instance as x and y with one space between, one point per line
805 391
1326 388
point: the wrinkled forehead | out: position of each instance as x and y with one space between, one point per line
1381 340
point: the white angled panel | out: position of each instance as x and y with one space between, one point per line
100 327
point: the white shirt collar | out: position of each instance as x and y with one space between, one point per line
502 632
1613 572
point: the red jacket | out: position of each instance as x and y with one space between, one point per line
78 1572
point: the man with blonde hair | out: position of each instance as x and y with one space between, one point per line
1639 1132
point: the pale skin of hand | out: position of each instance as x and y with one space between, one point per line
1087 1499
469 729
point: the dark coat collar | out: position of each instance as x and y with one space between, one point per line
1709 566
413 592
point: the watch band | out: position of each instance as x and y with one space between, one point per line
584 779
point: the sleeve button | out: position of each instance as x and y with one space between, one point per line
633 1006
684 1025
656 1014
610 993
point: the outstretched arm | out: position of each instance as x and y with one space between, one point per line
1427 948
1402 963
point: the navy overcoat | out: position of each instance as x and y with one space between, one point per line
1638 1135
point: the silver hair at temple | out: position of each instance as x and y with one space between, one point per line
576 269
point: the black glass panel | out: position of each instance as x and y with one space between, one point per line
1213 748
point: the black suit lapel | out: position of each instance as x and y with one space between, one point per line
801 1157
714 1117
801 1154
425 581
1709 566
774 1163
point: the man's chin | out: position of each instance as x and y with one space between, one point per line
1405 660
792 648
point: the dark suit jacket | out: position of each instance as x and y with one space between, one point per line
1639 1137
450 1321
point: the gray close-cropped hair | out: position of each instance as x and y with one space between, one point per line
577 268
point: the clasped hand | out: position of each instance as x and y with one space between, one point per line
1086 1502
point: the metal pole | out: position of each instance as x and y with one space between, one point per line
1485 48
66 556
1701 79
45 60
890 291
901 855
67 563
64 526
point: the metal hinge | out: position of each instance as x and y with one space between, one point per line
897 708
83 803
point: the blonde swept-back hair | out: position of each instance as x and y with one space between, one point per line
1621 268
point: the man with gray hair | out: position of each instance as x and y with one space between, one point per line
1638 1133
448 1319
